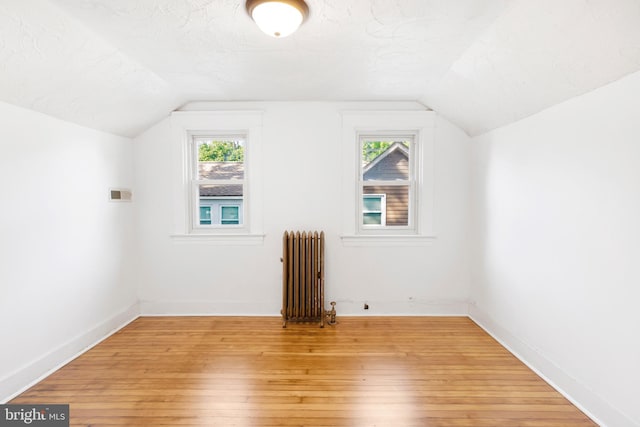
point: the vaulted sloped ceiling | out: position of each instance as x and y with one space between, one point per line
121 65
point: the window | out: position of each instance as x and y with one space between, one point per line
218 157
229 215
374 209
218 177
388 166
387 182
205 215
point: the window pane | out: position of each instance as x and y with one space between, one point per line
220 158
205 215
373 203
229 212
397 202
373 209
372 218
385 160
230 215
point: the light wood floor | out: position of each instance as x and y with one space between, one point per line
247 371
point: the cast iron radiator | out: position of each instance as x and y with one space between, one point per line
303 277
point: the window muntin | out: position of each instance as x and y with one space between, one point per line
386 167
218 177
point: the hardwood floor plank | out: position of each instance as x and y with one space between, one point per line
249 371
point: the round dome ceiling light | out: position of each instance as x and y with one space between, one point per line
278 18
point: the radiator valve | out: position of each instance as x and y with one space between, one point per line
332 314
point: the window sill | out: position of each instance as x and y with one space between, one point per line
386 240
220 239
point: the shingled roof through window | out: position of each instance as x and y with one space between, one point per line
220 170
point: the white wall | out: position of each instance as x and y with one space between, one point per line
63 245
301 146
556 272
554 207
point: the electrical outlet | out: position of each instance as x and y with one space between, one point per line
366 306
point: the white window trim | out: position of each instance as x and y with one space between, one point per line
369 123
185 125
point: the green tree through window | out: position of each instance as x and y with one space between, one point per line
221 151
372 149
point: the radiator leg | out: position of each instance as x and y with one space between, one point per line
332 313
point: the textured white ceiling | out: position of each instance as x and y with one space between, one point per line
121 65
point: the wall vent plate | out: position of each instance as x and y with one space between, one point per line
120 195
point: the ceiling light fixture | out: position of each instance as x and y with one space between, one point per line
278 18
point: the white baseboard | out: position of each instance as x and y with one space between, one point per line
402 308
210 308
582 397
14 383
272 308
